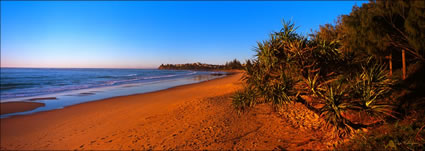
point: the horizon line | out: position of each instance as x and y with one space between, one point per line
77 68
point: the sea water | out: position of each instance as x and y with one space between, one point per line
60 87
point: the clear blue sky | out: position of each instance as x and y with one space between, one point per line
141 34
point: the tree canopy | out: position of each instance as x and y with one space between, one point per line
381 26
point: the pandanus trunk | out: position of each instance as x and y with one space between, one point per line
390 58
404 63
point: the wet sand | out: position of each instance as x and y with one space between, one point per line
13 107
196 116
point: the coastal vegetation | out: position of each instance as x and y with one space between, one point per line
234 64
363 76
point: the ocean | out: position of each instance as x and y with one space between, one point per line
60 87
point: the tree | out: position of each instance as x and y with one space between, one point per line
379 27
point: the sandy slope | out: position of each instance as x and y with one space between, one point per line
197 116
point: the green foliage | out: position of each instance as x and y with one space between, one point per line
370 87
415 26
234 64
381 26
327 57
312 86
280 91
288 65
191 66
336 104
389 137
267 75
244 99
327 32
339 72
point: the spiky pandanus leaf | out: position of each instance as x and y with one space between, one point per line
371 88
281 90
312 85
337 104
244 99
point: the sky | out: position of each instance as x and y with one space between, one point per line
145 34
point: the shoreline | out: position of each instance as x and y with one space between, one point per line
98 118
21 106
31 104
197 116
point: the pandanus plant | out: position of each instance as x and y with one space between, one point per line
244 99
336 105
288 65
371 87
312 87
281 90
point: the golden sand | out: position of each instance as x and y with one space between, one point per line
196 116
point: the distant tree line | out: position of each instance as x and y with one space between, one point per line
234 64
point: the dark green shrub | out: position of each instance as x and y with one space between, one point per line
244 99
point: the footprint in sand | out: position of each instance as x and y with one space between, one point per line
92 142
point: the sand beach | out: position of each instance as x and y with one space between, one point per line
195 116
